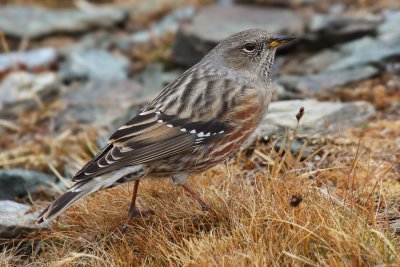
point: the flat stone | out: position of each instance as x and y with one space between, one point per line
94 64
154 78
42 58
98 39
34 22
320 61
214 23
315 83
98 103
369 50
345 24
23 87
15 219
366 51
339 26
288 3
279 92
391 24
168 25
319 117
360 53
20 182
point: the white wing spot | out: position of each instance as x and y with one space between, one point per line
193 131
75 190
220 132
200 134
160 121
183 130
207 134
158 112
170 125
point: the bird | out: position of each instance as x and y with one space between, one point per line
196 122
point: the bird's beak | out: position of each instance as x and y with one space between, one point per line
277 41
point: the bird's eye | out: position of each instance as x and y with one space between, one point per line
249 47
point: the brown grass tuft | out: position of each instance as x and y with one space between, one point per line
269 208
252 222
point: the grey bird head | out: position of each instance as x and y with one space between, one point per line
250 52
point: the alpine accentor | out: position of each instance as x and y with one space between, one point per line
196 122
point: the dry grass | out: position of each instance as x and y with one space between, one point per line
267 211
348 196
247 225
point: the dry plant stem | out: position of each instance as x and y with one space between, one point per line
289 142
297 163
10 125
197 196
4 42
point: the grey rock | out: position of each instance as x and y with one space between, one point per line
98 39
20 88
15 219
34 22
154 78
19 182
391 24
319 117
38 58
362 52
169 24
328 30
279 92
310 84
94 64
99 103
214 23
370 50
320 61
393 67
337 8
345 24
274 2
366 51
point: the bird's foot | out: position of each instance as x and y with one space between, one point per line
134 214
206 207
196 195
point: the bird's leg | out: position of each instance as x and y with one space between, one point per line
197 196
133 211
181 179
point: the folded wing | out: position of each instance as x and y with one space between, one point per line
149 136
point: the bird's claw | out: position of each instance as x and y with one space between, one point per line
134 214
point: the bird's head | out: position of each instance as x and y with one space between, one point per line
250 52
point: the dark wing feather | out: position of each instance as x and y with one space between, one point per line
149 136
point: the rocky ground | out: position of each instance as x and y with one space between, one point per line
322 190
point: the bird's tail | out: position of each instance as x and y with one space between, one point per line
88 186
77 192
